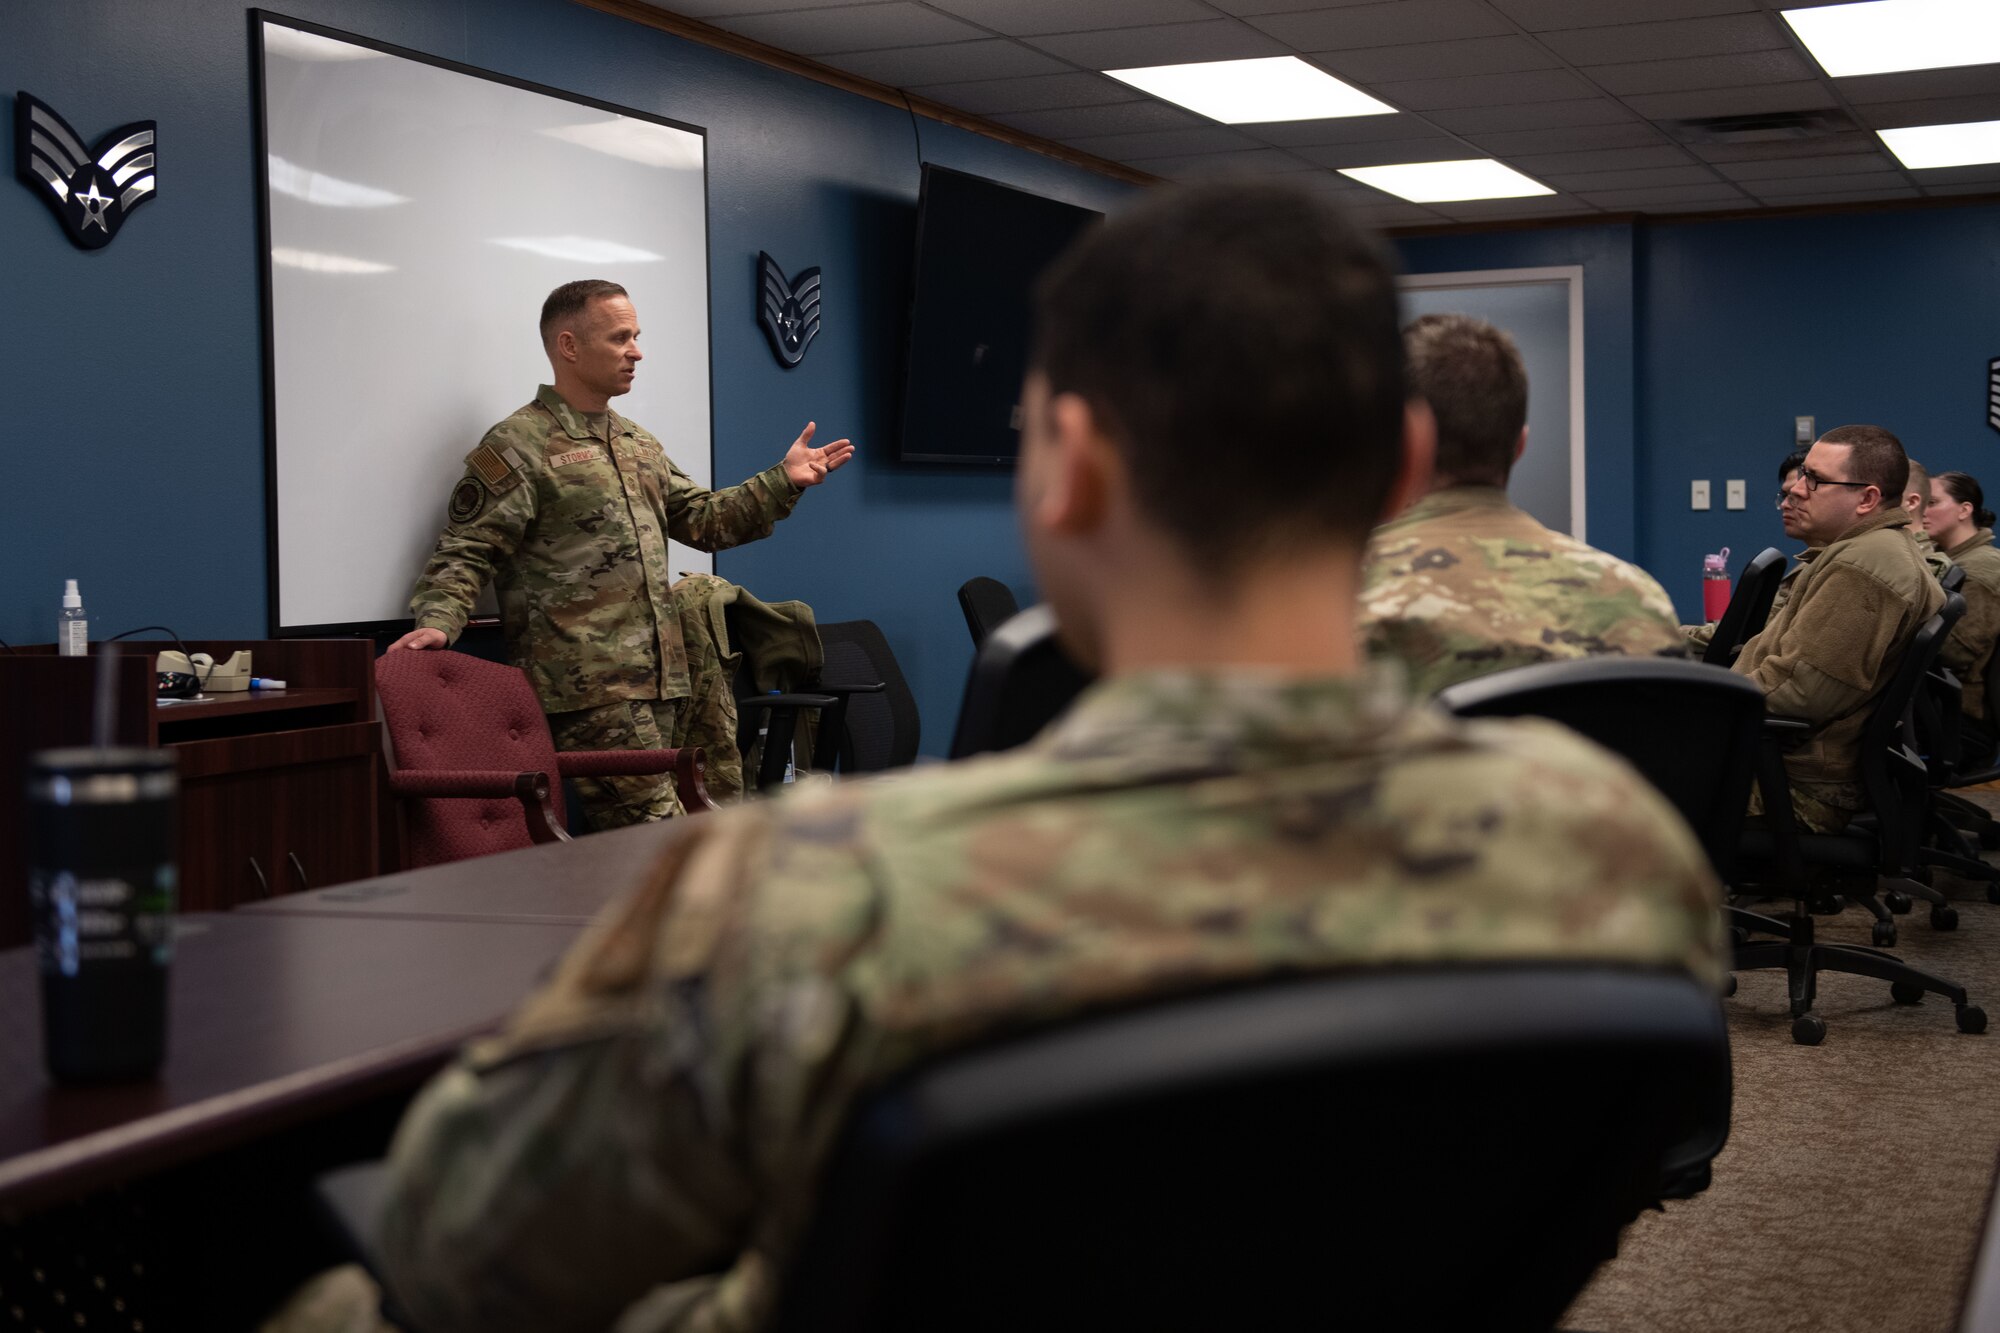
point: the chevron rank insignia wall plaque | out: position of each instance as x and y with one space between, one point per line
1993 393
90 190
789 311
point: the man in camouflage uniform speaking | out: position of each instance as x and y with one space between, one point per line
1464 583
1213 421
567 507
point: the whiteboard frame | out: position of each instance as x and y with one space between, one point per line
266 285
1571 275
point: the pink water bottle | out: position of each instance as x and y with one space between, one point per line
1715 584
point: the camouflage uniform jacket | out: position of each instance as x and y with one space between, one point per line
1969 647
645 1135
1463 584
1828 651
569 514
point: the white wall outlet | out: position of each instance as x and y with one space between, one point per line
1732 493
1701 495
1802 430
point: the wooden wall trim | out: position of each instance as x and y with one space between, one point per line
695 30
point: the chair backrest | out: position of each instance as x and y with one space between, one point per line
448 710
881 730
1219 1161
1748 608
1690 728
1953 579
1893 774
1021 680
987 604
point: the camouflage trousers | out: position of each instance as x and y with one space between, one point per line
1818 807
707 718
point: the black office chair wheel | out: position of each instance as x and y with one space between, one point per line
1810 1029
1738 937
1971 1020
1826 905
1729 984
1884 934
1906 992
1944 918
1897 902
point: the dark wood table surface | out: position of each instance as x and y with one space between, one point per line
558 883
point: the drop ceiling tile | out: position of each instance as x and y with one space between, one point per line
1718 194
1581 181
1677 39
1047 92
1532 116
1471 55
1482 210
1399 24
1544 85
1913 85
1164 143
1386 154
1779 168
1984 172
1801 185
1023 18
1259 162
1345 129
1929 111
1280 6
1162 44
1393 212
1119 118
817 32
1674 76
1574 139
914 66
1602 159
1547 15
1975 187
1833 145
1842 197
1803 96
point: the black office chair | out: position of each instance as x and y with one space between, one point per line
876 726
1882 844
1748 608
1216 1161
1953 579
1020 681
987 604
1951 824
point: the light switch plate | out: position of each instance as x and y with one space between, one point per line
1802 430
1701 495
1732 494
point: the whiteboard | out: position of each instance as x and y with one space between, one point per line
417 215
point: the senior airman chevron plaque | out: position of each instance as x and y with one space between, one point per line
90 190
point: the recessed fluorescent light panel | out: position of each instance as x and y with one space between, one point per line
1882 36
1243 92
1968 145
1442 182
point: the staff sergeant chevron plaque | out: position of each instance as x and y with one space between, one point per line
89 190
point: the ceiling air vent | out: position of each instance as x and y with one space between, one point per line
1763 127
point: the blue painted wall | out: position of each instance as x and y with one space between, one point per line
1705 339
136 464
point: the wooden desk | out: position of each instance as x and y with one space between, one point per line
273 1019
559 883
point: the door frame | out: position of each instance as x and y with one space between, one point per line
1571 275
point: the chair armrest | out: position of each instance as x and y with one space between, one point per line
835 688
530 789
1787 733
753 702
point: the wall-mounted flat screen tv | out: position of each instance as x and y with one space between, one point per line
980 247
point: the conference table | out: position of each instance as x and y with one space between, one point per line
302 1006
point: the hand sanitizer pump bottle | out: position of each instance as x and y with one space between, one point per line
72 629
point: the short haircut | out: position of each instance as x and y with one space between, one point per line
1919 481
1238 345
572 299
1794 460
1878 458
1471 375
1963 487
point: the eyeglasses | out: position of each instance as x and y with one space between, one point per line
1812 481
1783 496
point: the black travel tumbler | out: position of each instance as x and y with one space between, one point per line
101 881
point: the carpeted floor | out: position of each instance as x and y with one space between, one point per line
1852 1191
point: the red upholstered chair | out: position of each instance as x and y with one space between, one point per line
472 764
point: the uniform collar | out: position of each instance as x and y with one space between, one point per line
1228 721
578 425
1453 499
1983 537
1881 518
